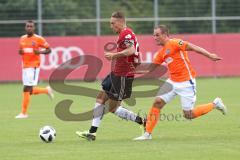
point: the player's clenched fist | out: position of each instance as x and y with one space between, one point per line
20 52
37 52
214 57
109 56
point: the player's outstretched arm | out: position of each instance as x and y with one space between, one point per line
46 51
202 51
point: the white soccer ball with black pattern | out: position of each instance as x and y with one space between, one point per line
47 134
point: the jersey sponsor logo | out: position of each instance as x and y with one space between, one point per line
28 50
60 55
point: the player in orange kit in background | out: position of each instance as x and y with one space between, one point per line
30 50
182 79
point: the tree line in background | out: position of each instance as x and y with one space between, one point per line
86 9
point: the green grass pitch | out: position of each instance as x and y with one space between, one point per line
212 136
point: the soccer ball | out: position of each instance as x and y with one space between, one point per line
47 134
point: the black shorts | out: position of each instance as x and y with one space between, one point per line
117 87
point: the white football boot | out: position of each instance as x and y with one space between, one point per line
21 116
145 136
50 92
220 106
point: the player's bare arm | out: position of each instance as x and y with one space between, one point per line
46 51
202 51
130 50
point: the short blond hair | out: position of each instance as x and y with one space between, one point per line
118 14
164 29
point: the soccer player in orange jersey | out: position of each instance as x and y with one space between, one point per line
182 79
31 46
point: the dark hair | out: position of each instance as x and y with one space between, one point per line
118 14
30 21
164 29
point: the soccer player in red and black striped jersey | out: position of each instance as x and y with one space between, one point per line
118 84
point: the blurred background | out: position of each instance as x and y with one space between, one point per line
91 17
81 27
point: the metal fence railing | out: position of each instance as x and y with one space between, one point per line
90 17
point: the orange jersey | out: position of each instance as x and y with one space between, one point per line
28 45
174 55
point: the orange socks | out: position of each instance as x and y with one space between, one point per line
25 102
39 90
26 97
152 119
202 109
154 113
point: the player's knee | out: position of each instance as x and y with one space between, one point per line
101 98
27 89
159 103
